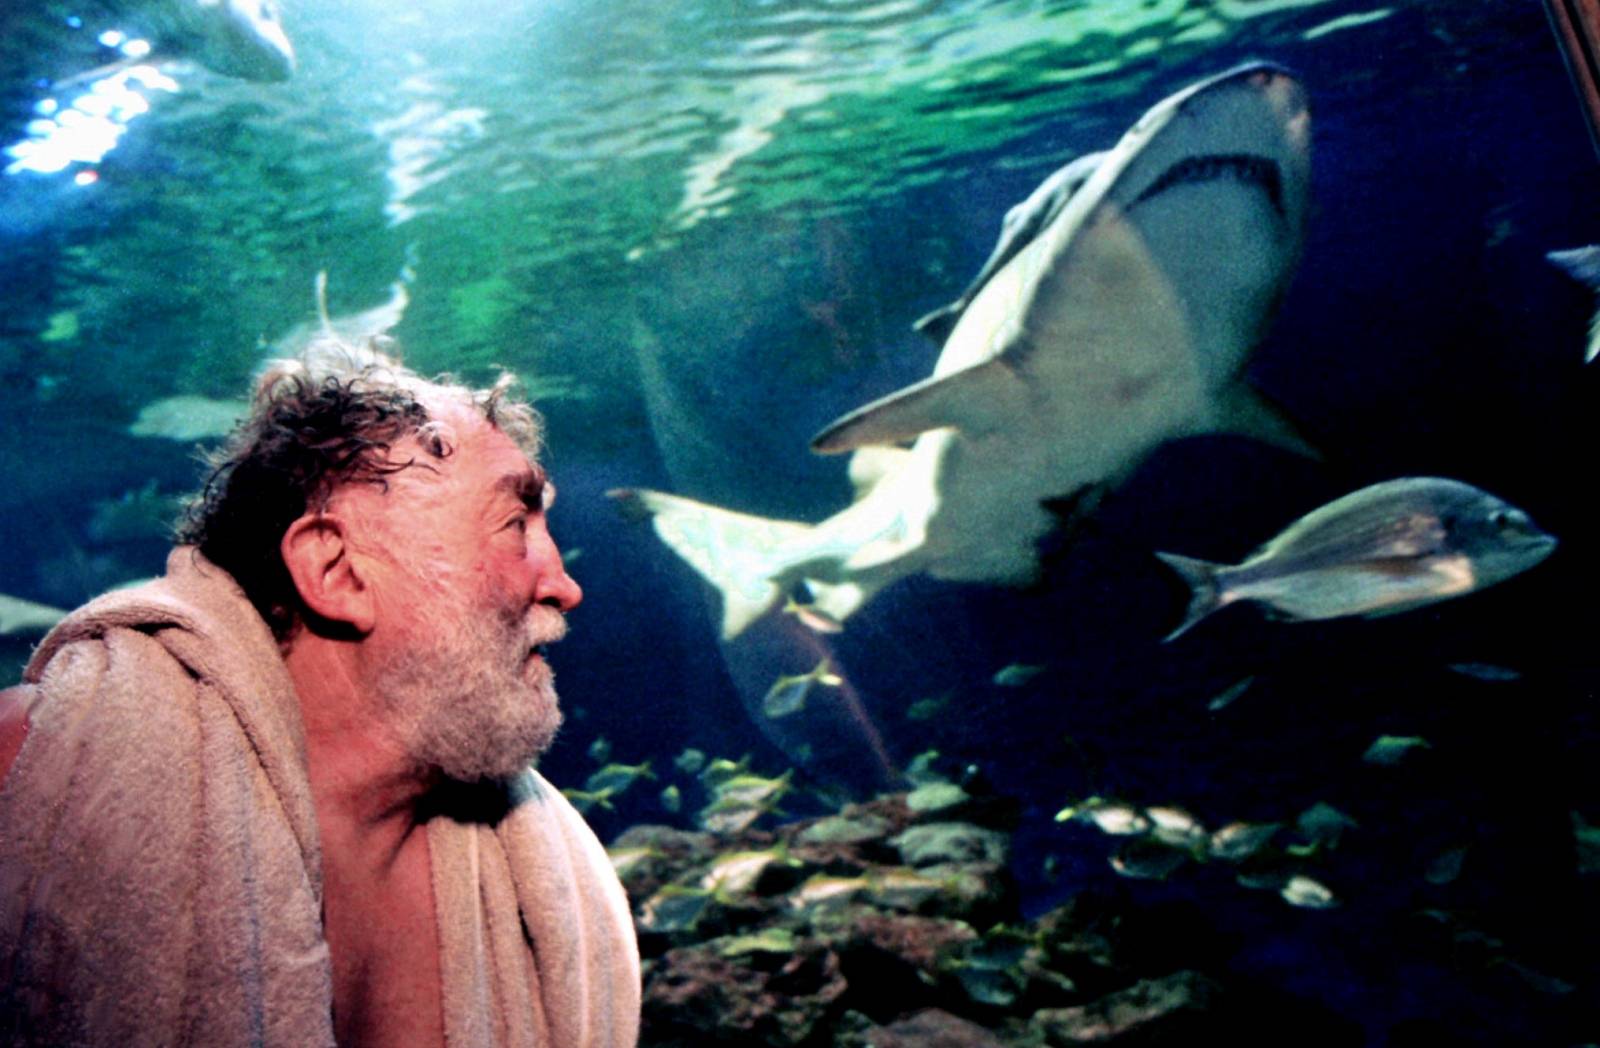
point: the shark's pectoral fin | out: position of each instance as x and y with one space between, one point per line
971 400
1246 412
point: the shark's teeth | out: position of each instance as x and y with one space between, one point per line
1253 170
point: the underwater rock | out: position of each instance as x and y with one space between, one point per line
936 843
936 798
933 1028
948 802
1169 1008
868 929
845 829
979 892
923 943
696 996
894 963
852 841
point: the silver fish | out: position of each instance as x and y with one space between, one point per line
1117 312
1017 674
615 778
788 695
1383 549
1391 750
690 761
1308 893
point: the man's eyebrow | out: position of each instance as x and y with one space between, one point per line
531 487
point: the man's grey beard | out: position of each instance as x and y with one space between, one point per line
463 696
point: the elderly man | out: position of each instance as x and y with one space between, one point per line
284 794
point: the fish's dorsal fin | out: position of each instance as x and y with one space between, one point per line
1023 223
963 400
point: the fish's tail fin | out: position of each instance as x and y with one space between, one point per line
1206 593
738 553
1580 263
1583 265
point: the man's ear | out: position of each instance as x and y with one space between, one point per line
325 570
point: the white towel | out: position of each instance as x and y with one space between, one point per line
160 872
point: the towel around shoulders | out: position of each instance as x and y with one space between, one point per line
160 869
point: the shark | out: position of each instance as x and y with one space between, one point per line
1116 312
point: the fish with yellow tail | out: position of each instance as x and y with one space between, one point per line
1383 549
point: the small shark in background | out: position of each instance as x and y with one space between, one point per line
1583 265
243 39
1116 312
188 417
1387 548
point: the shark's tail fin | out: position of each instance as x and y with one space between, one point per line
737 553
1201 575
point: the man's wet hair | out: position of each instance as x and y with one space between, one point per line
318 422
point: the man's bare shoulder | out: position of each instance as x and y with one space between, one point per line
14 703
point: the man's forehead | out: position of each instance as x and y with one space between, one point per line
484 458
529 485
478 462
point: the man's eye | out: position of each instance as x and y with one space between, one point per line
519 523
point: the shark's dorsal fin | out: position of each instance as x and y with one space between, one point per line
955 400
1022 224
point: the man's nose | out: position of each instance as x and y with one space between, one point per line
556 588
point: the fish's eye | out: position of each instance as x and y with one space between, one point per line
1506 520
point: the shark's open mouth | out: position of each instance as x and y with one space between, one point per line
1242 167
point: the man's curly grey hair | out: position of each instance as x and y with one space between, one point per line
317 422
